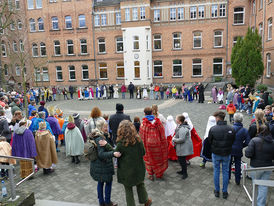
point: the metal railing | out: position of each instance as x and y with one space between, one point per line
256 183
11 176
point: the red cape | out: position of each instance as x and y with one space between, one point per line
197 144
171 149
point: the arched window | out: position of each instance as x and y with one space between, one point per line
34 50
14 46
4 49
41 24
19 24
54 22
32 25
43 50
57 48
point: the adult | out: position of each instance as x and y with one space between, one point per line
242 139
2 102
220 96
104 91
80 124
115 120
42 108
74 141
23 145
15 106
259 120
46 150
111 91
131 90
116 92
183 144
169 132
31 107
95 115
260 150
214 92
98 91
14 123
4 126
221 138
102 169
41 118
152 133
162 91
71 90
131 170
54 92
151 91
201 90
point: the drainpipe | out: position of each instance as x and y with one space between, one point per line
93 39
263 35
227 11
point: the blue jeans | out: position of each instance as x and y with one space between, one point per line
217 161
151 95
262 190
54 97
162 95
237 161
100 191
123 95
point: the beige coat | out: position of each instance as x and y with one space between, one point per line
5 149
46 149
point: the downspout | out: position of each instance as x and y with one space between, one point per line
227 11
263 36
93 39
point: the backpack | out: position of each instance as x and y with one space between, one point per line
90 150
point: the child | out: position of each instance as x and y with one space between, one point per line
167 93
5 149
137 123
268 115
231 109
174 92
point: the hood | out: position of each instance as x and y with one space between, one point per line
71 126
267 138
20 130
3 118
12 104
185 126
230 105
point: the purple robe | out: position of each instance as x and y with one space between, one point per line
54 125
214 94
23 145
235 99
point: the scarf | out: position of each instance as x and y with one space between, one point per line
150 117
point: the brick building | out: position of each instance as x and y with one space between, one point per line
143 41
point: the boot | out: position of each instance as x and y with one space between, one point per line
72 159
111 204
77 161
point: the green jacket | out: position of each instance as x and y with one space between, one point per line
131 166
102 169
14 108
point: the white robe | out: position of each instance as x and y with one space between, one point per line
116 94
145 95
105 93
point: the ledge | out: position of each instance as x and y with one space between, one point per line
72 80
160 77
59 81
177 49
81 28
175 77
103 79
197 76
69 55
57 55
87 54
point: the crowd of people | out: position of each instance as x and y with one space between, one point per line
138 147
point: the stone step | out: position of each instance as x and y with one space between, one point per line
59 203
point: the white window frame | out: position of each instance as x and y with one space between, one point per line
32 25
85 70
155 40
97 20
120 67
17 71
45 74
17 4
118 18
172 14
59 70
218 36
136 67
127 14
177 38
43 46
68 22
200 37
70 45
222 10
40 22
214 11
33 49
218 63
201 12
55 22
21 45
268 65
37 75
12 26
14 46
101 43
237 13
82 45
30 4
197 64
269 28
101 68
19 24
103 19
81 19
4 49
39 6
157 16
157 65
134 14
193 12
142 13
180 11
176 65
136 40
71 68
57 46
261 29
119 40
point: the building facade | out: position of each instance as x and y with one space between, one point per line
142 41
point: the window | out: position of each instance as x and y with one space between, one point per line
97 20
136 42
135 14
172 14
177 68
158 68
72 74
82 21
147 45
261 29
119 44
19 24
193 12
261 4
57 48
177 41
180 13
143 13
214 11
12 26
45 74
54 21
6 70
59 73
40 24
253 7
30 4
118 18
239 15
268 65
156 15
137 69
218 39
218 66
14 46
157 41
17 70
148 70
102 45
32 25
70 47
68 22
21 44
43 50
103 20
197 67
17 4
269 32
38 4
222 10
103 70
37 75
85 75
235 39
197 39
120 70
201 10
127 14
83 46
4 49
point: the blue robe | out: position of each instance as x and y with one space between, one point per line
43 109
86 93
35 125
31 108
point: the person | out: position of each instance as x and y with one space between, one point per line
183 144
61 121
259 120
104 91
23 145
116 93
131 166
138 93
80 96
220 96
157 90
8 114
4 126
115 119
136 123
174 92
145 95
71 91
46 149
131 90
201 90
41 118
95 116
214 93
151 91
260 150
169 132
102 169
80 124
15 106
111 91
162 91
195 92
65 93
156 114
31 108
5 150
43 109
123 90
91 93
34 114
268 113
54 92
74 141
206 153
221 138
98 92
152 133
86 93
231 109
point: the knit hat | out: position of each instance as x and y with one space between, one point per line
119 107
42 125
59 112
51 110
75 115
71 119
42 103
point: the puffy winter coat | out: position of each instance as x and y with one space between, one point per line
241 140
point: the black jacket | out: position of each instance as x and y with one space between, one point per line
221 138
252 130
261 151
131 87
114 122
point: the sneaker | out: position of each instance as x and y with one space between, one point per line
180 172
225 195
202 165
184 177
216 193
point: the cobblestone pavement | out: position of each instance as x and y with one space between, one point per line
71 183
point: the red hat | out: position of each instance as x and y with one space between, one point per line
42 103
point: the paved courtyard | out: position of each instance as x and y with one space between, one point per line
70 183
